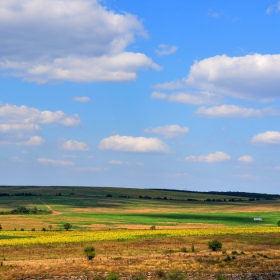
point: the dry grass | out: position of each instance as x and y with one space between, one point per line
130 257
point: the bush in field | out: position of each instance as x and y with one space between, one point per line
67 226
160 273
139 276
113 276
0 227
192 247
215 245
278 223
90 252
153 227
220 277
184 249
175 275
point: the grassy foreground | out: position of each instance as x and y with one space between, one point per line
117 223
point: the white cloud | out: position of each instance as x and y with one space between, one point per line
169 131
211 13
246 159
170 85
33 141
249 77
55 162
29 117
133 144
81 99
275 7
118 162
5 128
269 137
216 157
233 111
69 40
164 49
16 159
73 145
198 98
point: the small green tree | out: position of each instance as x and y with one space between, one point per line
67 226
90 252
215 245
278 223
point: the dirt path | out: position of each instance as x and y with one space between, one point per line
50 208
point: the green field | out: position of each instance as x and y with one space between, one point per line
102 208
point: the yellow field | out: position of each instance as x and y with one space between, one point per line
12 238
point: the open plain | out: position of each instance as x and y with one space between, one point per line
137 233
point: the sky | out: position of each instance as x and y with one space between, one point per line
141 94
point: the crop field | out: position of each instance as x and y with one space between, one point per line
135 231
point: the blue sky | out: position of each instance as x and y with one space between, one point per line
146 94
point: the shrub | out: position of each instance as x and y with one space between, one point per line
184 249
278 223
160 273
0 227
153 227
113 276
22 229
220 277
227 259
192 248
67 226
234 253
44 229
139 276
215 245
90 252
175 275
33 229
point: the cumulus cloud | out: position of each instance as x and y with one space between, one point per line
81 99
68 40
216 157
233 111
55 162
169 131
133 144
268 137
29 117
198 98
73 145
33 141
249 77
164 49
246 159
6 128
